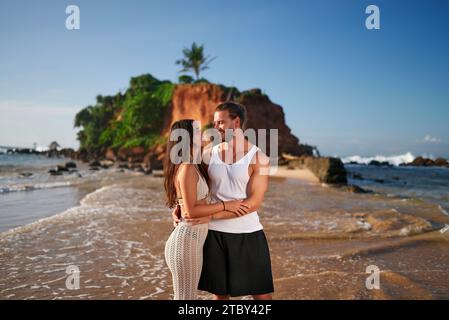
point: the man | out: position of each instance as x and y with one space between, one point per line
236 259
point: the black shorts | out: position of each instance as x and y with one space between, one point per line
236 264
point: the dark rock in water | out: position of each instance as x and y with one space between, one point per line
425 162
379 180
26 174
441 162
70 164
54 172
421 162
351 188
379 163
374 163
395 178
61 168
354 162
94 168
58 170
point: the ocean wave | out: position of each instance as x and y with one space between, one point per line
393 159
443 211
31 187
105 201
101 239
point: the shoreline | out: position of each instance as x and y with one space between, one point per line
116 237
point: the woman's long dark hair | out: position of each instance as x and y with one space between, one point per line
171 169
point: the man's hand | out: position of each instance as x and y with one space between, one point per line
238 207
176 215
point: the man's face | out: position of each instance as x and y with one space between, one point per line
222 122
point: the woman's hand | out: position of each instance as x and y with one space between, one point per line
195 221
237 207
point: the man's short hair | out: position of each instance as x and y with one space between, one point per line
235 110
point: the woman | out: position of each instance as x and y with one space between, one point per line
184 247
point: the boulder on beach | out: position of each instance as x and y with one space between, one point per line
327 169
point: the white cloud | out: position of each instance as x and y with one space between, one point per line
429 139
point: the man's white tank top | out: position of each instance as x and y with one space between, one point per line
229 182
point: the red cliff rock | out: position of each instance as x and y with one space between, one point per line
198 101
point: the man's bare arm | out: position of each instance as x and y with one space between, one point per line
258 182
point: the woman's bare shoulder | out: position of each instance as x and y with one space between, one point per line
187 170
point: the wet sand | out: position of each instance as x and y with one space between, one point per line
321 241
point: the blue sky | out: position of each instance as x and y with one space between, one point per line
345 89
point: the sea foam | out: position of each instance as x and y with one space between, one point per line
393 159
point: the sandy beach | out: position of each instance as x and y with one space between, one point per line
299 174
321 242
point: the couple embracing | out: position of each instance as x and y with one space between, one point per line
218 244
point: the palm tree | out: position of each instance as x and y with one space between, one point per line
194 60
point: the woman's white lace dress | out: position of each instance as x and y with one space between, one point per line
184 252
